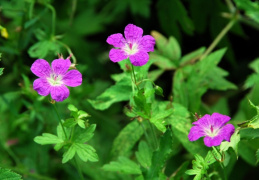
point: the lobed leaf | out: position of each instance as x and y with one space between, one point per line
144 154
7 174
123 165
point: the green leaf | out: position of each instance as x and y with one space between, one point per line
1 71
257 156
144 154
192 172
127 138
161 110
192 56
140 7
42 48
81 123
71 107
69 154
234 140
86 152
175 13
141 102
123 165
255 65
121 91
7 174
247 150
162 62
84 135
209 159
169 48
251 8
159 90
192 81
47 138
249 133
160 156
71 122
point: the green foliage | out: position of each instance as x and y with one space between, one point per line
257 155
119 92
197 79
160 156
201 166
234 140
1 69
254 122
251 8
76 143
123 165
149 140
144 154
127 138
175 13
7 174
78 117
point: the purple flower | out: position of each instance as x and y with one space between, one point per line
54 79
213 128
134 46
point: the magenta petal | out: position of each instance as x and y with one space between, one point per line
117 55
117 40
133 33
60 66
213 141
41 86
147 43
139 59
59 93
41 68
72 78
219 120
204 122
227 131
195 133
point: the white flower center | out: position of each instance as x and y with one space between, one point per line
130 48
212 131
55 80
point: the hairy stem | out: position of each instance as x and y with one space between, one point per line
53 18
219 37
154 135
59 119
133 72
79 170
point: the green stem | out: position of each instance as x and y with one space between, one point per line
53 18
69 51
79 170
153 134
145 133
72 133
11 153
223 168
73 10
59 119
31 9
219 37
133 72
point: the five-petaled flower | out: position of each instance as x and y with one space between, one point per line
213 128
53 80
134 46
